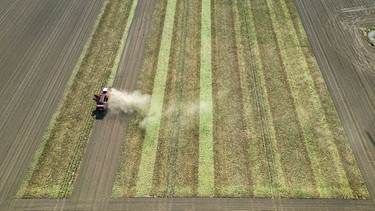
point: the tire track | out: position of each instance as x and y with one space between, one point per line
259 101
98 170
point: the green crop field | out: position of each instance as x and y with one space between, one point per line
239 108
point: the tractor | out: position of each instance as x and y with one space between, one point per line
101 100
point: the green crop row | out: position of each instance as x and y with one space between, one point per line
206 158
146 168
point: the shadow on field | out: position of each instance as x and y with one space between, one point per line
99 115
370 137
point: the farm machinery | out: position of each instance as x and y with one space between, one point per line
101 100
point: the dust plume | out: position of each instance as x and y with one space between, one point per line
129 102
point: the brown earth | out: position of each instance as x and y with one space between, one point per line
41 41
40 45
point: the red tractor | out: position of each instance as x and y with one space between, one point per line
102 99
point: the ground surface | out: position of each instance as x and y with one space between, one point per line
41 42
40 37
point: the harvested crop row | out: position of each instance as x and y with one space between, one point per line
55 172
125 183
176 166
232 173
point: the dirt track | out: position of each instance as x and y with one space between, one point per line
41 41
97 174
41 44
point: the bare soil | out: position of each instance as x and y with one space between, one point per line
41 42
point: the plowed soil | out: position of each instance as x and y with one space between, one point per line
41 41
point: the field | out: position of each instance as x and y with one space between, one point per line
242 106
55 172
271 129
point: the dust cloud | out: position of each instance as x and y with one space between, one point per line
129 102
137 103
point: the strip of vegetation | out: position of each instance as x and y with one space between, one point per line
345 154
370 35
266 127
206 151
54 173
330 177
176 165
126 176
265 169
232 165
295 162
150 143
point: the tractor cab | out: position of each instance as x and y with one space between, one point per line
102 99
